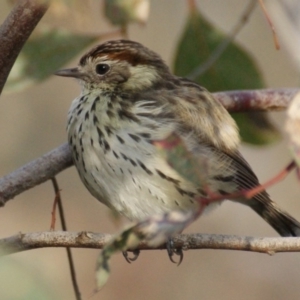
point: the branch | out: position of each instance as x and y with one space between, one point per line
35 240
34 173
52 163
15 31
257 100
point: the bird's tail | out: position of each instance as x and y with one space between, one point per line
281 221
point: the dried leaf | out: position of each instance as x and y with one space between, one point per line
293 127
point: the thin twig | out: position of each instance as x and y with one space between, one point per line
15 31
68 249
192 5
263 7
224 44
280 176
36 240
59 202
53 212
247 193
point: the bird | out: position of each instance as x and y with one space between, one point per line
130 99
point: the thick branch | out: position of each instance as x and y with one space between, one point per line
35 172
257 100
28 241
15 31
49 165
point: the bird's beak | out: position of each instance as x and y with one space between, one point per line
73 72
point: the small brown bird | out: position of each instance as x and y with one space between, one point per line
130 98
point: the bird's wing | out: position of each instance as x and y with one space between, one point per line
202 118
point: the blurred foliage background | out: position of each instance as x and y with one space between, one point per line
33 116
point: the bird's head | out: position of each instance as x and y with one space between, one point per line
118 64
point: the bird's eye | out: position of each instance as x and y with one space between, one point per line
102 69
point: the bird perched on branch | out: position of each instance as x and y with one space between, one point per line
129 98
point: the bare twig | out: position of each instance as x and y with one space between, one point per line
280 176
35 240
53 212
15 31
59 203
35 172
52 163
68 249
263 7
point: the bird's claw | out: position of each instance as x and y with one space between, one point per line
171 251
135 256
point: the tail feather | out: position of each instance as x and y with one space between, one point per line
261 203
281 221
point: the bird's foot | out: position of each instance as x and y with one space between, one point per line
135 256
171 251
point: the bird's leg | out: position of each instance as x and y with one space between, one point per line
171 251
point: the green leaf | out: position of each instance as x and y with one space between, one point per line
45 53
234 69
128 238
154 231
256 128
23 281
